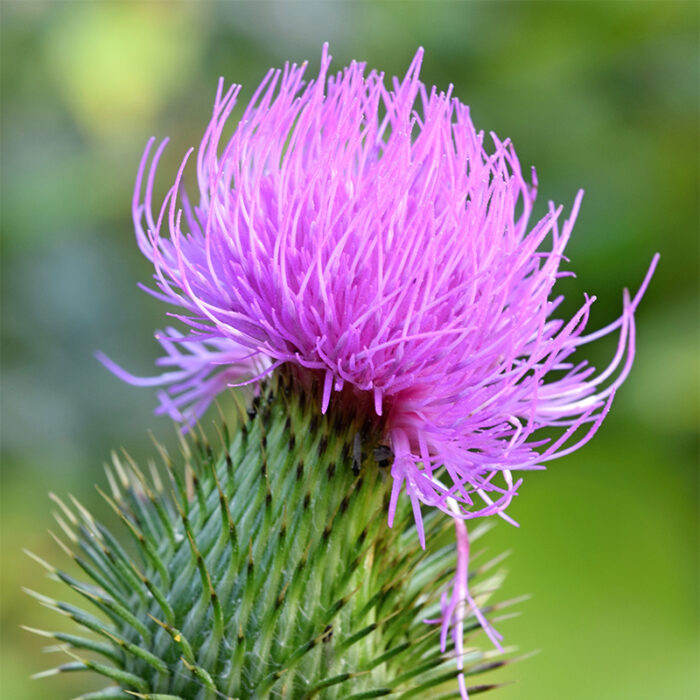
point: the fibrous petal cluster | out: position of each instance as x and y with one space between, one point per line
364 231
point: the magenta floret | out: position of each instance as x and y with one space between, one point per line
364 231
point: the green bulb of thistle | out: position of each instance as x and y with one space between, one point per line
265 568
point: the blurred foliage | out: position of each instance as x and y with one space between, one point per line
599 95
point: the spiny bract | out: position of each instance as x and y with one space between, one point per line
269 571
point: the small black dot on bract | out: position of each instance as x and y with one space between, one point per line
383 453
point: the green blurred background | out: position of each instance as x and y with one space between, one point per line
599 95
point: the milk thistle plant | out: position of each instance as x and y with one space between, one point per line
362 259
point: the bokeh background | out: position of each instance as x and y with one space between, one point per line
598 95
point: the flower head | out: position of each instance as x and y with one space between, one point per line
364 230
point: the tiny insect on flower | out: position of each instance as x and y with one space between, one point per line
367 233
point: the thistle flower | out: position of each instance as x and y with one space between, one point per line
367 235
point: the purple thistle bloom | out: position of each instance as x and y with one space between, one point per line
363 231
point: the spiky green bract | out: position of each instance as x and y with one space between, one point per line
268 571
